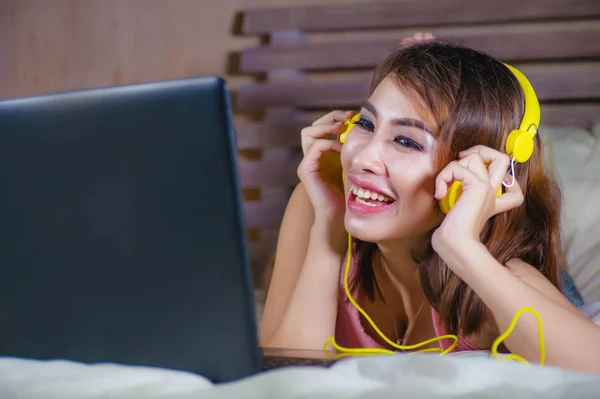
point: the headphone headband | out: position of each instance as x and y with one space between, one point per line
531 113
519 144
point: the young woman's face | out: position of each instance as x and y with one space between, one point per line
388 163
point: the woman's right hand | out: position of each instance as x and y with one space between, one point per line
320 170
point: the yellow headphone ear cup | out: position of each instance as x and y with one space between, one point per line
519 145
453 195
444 205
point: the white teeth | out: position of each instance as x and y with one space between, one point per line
362 201
363 194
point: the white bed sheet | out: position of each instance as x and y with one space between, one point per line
463 375
394 376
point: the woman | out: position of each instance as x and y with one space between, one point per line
436 113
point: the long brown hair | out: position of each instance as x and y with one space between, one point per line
471 99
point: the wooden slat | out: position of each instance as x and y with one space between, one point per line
278 167
261 135
413 13
565 82
308 94
268 237
260 215
580 115
551 82
267 212
261 250
509 46
260 254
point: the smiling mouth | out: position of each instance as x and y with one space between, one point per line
368 197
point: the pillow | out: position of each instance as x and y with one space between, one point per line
573 157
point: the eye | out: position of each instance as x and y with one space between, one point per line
408 143
365 124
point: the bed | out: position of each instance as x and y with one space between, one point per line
373 378
467 375
308 63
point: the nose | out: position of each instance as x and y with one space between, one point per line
369 158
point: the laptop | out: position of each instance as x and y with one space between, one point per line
122 230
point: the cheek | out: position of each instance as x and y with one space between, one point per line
426 184
347 153
416 184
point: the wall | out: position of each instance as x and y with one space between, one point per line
58 45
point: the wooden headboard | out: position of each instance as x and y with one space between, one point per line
315 59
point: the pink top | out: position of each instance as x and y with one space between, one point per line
350 333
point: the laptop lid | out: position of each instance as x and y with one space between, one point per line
122 231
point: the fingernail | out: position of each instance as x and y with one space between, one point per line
348 112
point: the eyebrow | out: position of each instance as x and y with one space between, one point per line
410 122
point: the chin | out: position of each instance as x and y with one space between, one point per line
367 230
370 221
385 225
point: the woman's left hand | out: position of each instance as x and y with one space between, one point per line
478 201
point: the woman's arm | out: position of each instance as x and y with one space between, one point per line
310 315
571 340
292 246
301 306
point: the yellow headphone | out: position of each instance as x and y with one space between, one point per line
348 125
519 146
